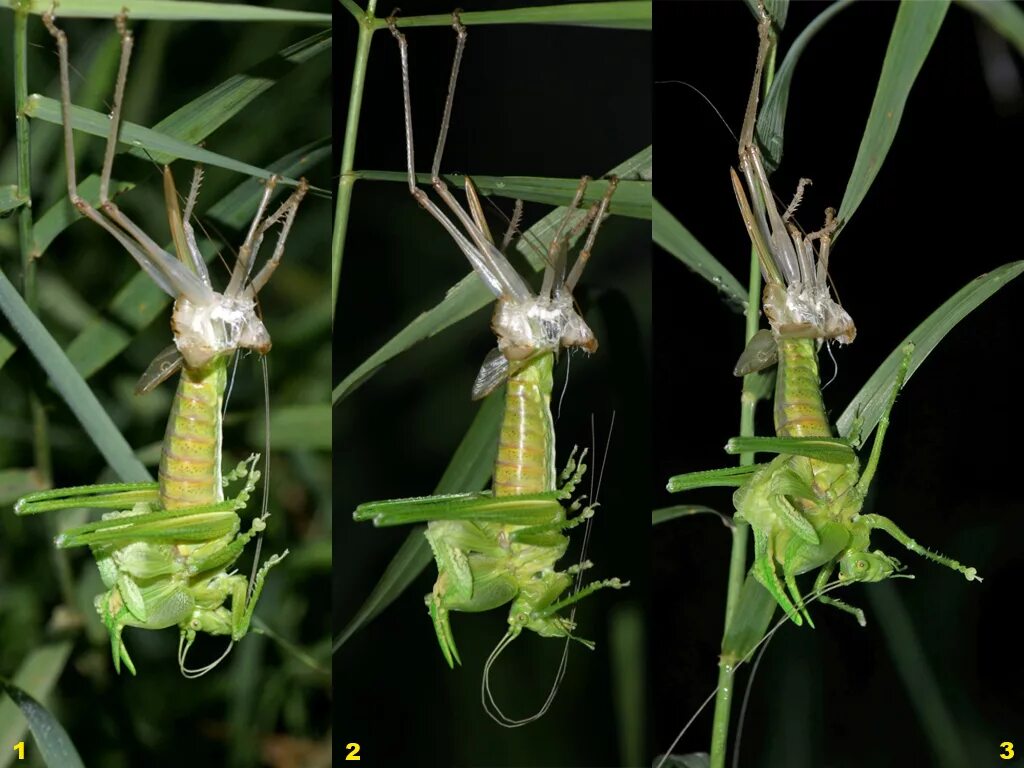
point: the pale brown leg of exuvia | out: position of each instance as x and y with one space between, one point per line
485 258
142 249
554 273
584 257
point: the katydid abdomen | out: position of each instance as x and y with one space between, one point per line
526 446
799 410
190 468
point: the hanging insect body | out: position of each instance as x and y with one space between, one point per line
503 546
166 550
804 507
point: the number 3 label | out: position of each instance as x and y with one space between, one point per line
1008 754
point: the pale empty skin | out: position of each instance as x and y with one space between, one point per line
166 553
804 506
503 546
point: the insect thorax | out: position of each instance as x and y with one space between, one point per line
203 332
807 310
540 325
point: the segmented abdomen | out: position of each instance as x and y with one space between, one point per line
799 410
190 472
526 447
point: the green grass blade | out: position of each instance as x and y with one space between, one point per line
158 144
665 514
469 470
171 10
36 678
754 610
869 403
10 200
71 386
1004 16
625 14
772 121
202 116
52 740
469 294
916 27
632 198
669 233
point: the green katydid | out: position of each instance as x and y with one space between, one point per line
804 506
502 546
165 551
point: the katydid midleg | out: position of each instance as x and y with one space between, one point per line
165 551
503 546
804 507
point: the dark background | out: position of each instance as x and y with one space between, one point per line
532 100
941 212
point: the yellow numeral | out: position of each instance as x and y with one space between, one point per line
1008 754
20 749
353 752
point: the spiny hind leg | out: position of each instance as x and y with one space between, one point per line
887 525
822 581
883 423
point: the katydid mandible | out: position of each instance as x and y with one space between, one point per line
804 507
502 546
165 551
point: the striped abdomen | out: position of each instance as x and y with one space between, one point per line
190 472
526 447
799 410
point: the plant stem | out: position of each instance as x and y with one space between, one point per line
26 242
348 148
738 556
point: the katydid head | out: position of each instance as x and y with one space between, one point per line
867 566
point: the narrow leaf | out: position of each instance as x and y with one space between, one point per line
171 10
36 677
868 404
623 14
771 122
70 385
670 234
97 124
632 198
915 29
